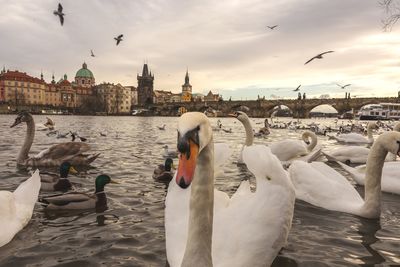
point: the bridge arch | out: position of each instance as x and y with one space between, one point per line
323 109
279 110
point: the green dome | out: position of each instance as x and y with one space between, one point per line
84 72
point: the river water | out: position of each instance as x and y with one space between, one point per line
131 231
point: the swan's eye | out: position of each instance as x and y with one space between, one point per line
268 178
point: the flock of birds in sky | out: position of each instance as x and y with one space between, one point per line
118 39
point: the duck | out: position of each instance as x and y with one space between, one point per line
390 176
55 155
322 186
49 124
206 227
81 201
164 173
53 182
168 153
356 137
17 207
161 127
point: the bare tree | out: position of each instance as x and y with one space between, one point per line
392 10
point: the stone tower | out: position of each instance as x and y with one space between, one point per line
145 86
186 95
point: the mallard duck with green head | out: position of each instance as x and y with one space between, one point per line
53 182
164 172
81 201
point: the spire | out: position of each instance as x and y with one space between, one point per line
187 76
145 71
65 77
84 65
41 75
52 78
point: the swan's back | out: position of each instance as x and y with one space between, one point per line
17 208
352 138
288 149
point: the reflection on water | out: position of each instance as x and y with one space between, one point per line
131 231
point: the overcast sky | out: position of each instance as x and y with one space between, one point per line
225 44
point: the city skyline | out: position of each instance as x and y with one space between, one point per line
226 46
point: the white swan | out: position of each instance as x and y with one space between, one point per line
356 154
16 208
322 186
286 150
203 226
390 176
357 138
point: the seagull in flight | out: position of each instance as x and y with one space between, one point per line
297 89
319 56
91 53
59 13
119 38
344 86
272 27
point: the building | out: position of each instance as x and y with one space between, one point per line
145 87
210 97
134 95
67 93
18 88
186 89
198 97
161 96
116 98
84 77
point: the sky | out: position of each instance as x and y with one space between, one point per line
225 44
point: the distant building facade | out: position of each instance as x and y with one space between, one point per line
210 97
145 86
116 98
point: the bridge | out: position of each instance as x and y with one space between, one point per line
262 108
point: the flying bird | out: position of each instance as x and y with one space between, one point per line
272 27
344 86
319 56
297 89
119 38
91 53
59 13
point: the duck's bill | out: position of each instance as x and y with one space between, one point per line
232 115
73 170
113 181
187 165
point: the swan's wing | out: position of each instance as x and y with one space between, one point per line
16 208
352 138
176 222
64 150
322 186
390 177
8 224
354 154
222 153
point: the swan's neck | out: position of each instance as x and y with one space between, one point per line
30 135
198 246
314 140
249 132
369 133
373 176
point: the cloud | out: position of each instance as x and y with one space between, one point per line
225 44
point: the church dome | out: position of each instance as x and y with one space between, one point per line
84 72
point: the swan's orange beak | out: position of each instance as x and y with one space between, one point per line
187 163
